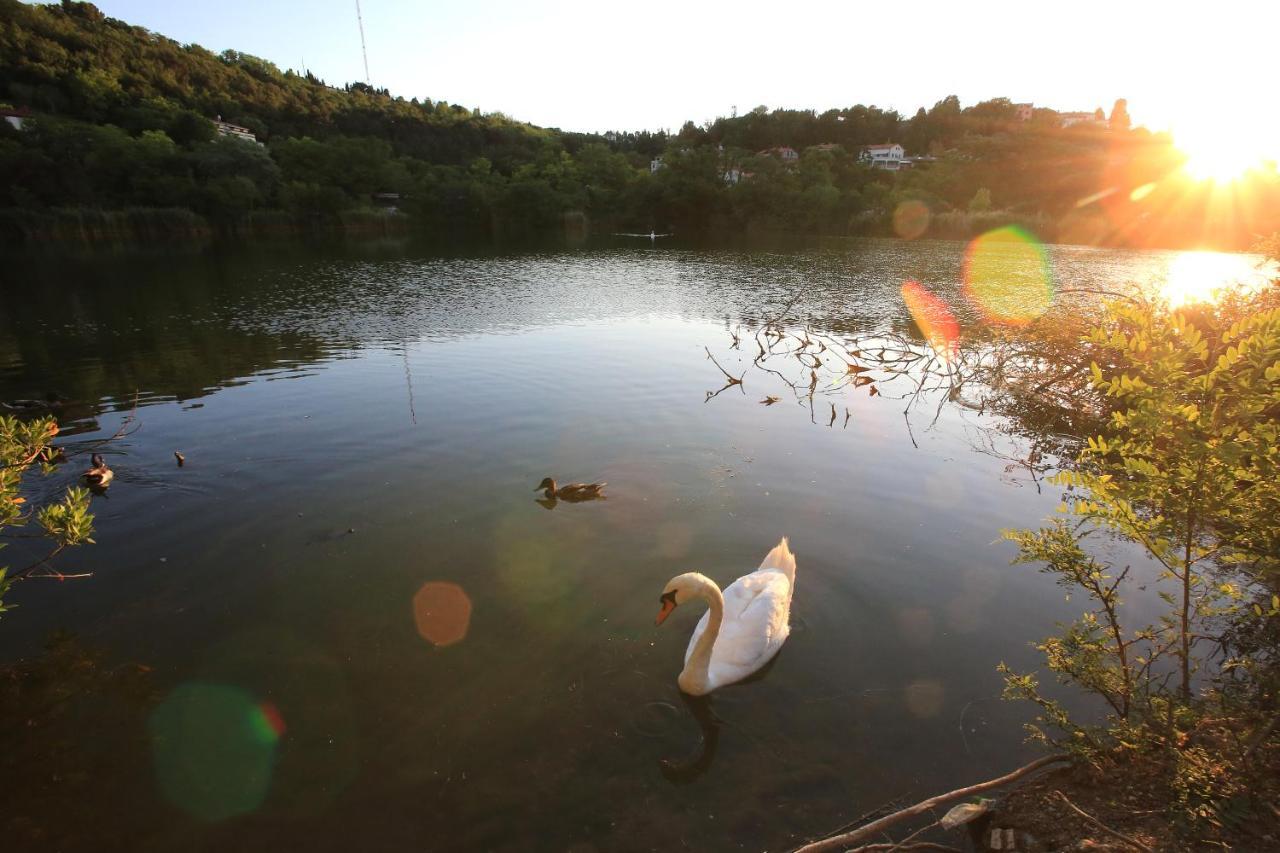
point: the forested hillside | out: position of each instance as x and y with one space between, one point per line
117 118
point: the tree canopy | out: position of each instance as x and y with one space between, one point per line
122 118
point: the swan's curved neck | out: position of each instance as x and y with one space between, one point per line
695 678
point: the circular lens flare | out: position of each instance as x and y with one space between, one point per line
911 219
442 613
1007 276
214 749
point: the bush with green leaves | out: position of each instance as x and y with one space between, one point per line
26 445
1186 472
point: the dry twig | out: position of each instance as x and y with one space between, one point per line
847 839
1100 825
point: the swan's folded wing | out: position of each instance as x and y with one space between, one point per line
753 636
738 596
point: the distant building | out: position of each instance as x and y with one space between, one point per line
1096 118
827 146
782 152
655 164
1024 111
15 117
228 129
889 155
733 175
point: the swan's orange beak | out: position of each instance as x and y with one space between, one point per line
667 607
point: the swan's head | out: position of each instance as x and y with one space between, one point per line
679 589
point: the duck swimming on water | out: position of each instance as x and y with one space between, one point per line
570 491
99 475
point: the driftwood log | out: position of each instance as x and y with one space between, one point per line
845 840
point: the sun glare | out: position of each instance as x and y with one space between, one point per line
1222 158
1203 276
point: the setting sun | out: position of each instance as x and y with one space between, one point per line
1215 156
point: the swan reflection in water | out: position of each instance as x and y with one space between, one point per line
698 762
683 771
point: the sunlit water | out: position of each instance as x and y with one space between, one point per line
369 635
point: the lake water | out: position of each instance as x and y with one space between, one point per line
363 630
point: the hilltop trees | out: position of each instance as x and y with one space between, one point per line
1120 115
122 119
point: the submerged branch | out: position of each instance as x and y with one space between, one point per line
845 840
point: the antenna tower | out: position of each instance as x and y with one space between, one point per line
363 49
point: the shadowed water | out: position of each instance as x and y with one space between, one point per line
352 561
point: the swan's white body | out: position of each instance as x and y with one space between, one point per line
744 626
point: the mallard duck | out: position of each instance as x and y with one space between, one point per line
570 491
99 475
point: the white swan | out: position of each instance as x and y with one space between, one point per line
743 628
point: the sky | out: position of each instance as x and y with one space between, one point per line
595 66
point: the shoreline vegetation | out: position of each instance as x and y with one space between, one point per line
138 226
111 130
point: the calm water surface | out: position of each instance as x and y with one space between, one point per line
362 424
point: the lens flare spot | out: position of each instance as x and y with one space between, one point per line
269 724
931 314
924 698
911 219
1096 197
1007 276
1139 193
213 747
442 612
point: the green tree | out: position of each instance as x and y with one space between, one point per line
1187 472
25 446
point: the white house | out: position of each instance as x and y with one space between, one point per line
890 156
732 175
235 130
1095 118
1024 111
655 164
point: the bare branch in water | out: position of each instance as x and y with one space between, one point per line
730 380
845 840
727 375
1024 384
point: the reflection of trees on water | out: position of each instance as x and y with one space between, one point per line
86 340
1028 389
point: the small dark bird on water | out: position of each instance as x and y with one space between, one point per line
570 491
99 475
181 459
